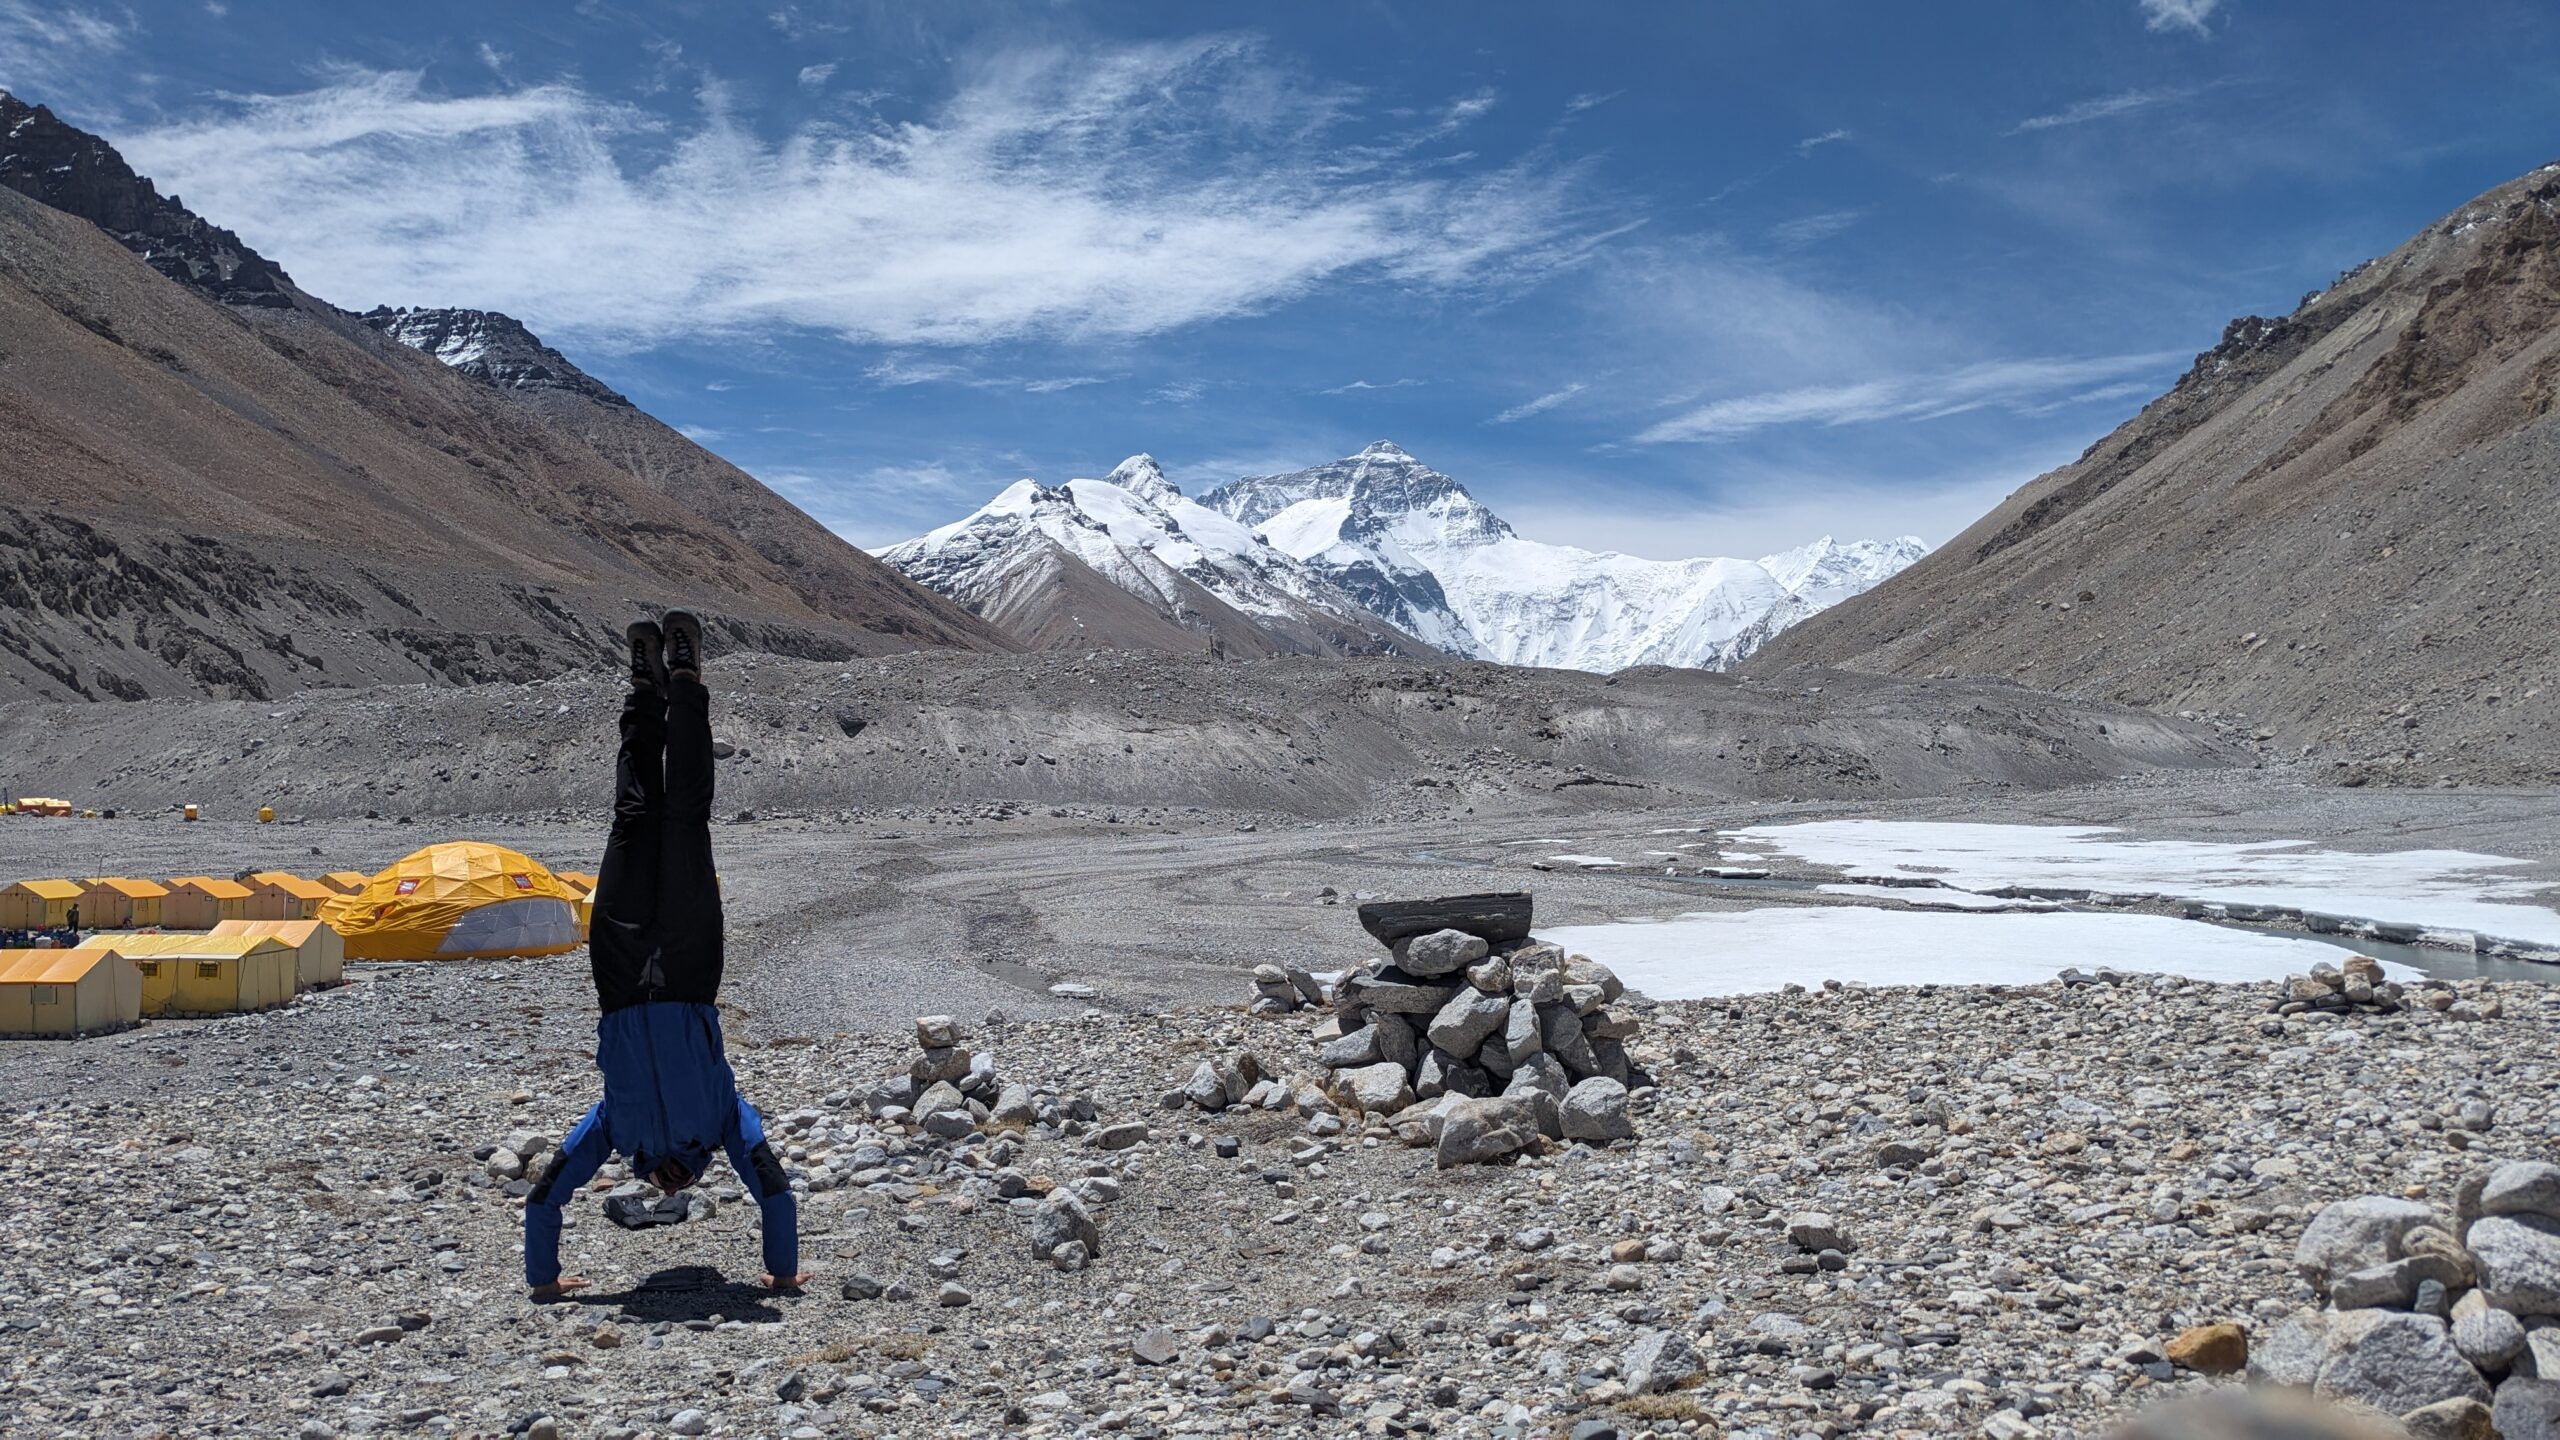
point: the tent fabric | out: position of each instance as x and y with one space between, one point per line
116 902
37 904
67 992
320 953
462 900
205 974
345 882
200 902
281 895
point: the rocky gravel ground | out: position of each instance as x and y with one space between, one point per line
1890 1212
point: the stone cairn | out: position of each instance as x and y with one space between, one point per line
1475 1037
1280 989
2358 988
2452 1327
954 1098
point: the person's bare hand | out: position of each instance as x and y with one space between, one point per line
786 1282
562 1286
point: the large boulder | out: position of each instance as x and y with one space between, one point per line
1522 1035
2288 1356
1355 1047
2351 1235
1595 1111
1467 1019
2487 1336
2527 1408
1474 1131
2522 1187
2394 1362
1381 1089
2518 1262
1062 1218
1658 1360
1442 952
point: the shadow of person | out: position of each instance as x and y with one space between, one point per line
689 1292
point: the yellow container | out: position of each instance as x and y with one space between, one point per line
266 814
192 813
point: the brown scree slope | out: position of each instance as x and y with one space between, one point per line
212 484
2335 526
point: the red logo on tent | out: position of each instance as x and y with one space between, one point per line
524 882
407 886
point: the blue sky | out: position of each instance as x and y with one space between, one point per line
1668 278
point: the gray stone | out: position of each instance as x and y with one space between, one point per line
1156 1346
1071 1257
1657 1360
2518 1260
1381 1089
1391 991
1061 1218
1603 1023
2464 1419
689 1422
2288 1355
1442 1073
1582 970
2522 1187
1474 1131
1442 952
1120 1136
1522 1036
1541 1084
2394 1362
937 1032
1465 1021
2394 1285
1595 1111
1813 1230
938 1098
941 1063
950 1124
1493 976
2487 1336
2350 1235
861 1287
1358 1047
1397 1043
2527 1408
1537 974
1014 1108
1561 1029
951 1296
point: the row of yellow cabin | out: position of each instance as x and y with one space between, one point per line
190 902
114 980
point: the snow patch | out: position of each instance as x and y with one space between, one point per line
1757 951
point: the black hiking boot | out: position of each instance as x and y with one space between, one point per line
648 658
684 646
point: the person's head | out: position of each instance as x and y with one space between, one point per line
671 1176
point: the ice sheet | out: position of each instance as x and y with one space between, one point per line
1754 951
2447 891
1931 895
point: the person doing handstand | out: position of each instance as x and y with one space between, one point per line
655 944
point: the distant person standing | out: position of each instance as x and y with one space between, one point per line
655 945
71 920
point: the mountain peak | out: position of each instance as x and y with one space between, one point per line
1141 476
78 173
492 348
1384 450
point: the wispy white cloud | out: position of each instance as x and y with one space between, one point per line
48 51
2187 15
721 385
495 58
815 77
2104 107
702 434
1180 392
901 370
1358 385
1810 229
1590 100
1101 193
1811 143
1541 405
2007 384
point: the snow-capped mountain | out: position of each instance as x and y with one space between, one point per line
1059 566
492 348
1416 548
1378 547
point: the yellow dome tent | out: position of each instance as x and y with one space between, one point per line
461 900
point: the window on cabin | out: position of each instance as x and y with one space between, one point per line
208 970
48 994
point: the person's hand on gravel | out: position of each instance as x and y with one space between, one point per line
560 1287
